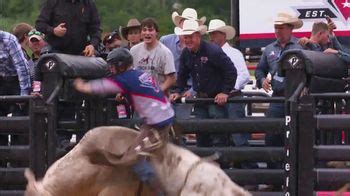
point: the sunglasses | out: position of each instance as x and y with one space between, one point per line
114 35
35 33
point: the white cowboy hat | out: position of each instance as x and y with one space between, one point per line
285 18
189 14
219 25
189 27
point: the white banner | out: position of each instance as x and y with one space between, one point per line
256 16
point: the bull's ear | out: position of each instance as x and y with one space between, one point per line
29 175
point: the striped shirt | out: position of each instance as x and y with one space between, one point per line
13 61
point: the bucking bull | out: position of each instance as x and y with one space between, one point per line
80 172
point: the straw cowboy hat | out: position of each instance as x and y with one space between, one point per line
189 14
132 23
189 27
285 18
219 25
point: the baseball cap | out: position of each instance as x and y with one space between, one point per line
34 34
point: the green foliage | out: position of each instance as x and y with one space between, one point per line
115 13
16 11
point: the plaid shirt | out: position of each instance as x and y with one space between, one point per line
13 62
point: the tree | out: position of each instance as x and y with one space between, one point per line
115 13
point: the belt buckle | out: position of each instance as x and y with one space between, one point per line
202 95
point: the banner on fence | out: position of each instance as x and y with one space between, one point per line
256 18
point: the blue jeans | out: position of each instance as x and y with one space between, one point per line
144 171
276 110
182 111
203 111
236 110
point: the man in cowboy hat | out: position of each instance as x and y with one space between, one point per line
173 41
187 14
284 24
213 76
175 45
219 32
132 32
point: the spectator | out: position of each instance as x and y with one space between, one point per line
173 41
112 40
14 71
219 32
132 32
14 75
71 26
322 39
284 24
21 31
153 57
213 75
175 44
37 45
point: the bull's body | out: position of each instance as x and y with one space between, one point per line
184 173
75 175
179 170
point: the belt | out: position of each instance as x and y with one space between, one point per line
8 78
235 93
204 95
278 94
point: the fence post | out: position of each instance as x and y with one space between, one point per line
306 138
295 78
51 132
37 140
291 142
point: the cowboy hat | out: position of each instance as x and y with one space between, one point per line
188 13
285 18
219 25
189 27
132 23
